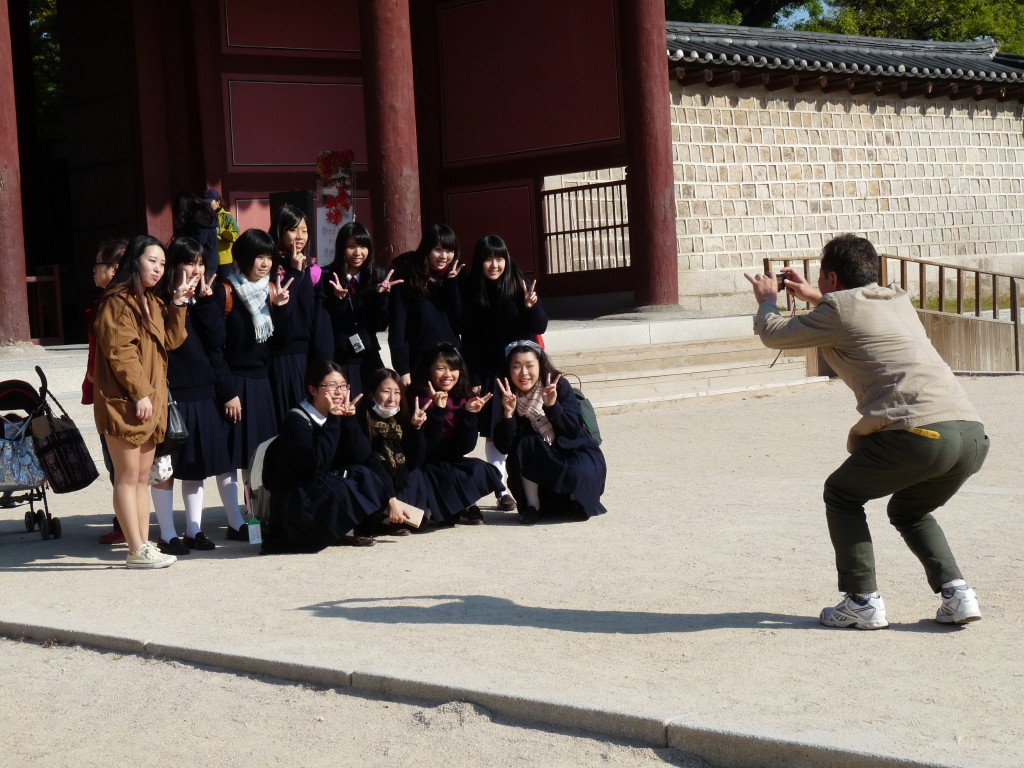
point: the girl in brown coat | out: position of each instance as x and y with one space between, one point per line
134 329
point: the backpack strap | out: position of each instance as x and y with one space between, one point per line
229 297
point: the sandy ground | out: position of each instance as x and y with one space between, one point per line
694 599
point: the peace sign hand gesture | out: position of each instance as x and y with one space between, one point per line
549 395
340 290
206 288
298 258
387 283
456 268
530 297
185 290
279 293
476 403
419 413
348 408
439 397
508 398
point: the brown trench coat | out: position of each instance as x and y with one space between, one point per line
131 363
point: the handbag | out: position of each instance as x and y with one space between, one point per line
19 467
63 454
176 433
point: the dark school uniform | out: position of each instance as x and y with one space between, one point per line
419 322
324 482
241 365
386 438
572 466
309 337
361 314
193 386
456 480
488 330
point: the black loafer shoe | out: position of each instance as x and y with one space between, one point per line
356 541
201 542
529 516
472 516
174 547
238 534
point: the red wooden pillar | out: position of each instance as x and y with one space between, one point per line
652 209
390 125
14 325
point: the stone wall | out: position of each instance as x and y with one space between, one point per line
779 173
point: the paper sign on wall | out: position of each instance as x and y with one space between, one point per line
335 182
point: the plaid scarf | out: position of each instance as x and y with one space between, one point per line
254 296
386 441
531 406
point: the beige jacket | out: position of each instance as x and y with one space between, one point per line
874 341
131 363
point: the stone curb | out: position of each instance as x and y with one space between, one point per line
725 748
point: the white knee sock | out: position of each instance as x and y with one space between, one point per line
532 492
163 503
497 460
192 492
227 485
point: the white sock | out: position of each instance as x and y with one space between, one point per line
954 584
497 460
532 492
192 492
163 503
227 485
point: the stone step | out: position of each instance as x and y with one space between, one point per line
658 356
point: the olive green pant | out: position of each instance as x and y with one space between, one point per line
921 473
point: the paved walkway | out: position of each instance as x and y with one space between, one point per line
685 616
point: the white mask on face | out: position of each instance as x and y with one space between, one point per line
384 413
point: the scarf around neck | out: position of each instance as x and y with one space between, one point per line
530 405
386 441
254 296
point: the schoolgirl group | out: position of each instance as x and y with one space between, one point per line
280 346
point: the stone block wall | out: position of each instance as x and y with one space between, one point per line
779 173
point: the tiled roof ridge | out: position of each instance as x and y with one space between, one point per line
691 32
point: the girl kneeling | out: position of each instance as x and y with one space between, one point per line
554 465
326 484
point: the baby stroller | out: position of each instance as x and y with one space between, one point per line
39 449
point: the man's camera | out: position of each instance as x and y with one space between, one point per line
780 278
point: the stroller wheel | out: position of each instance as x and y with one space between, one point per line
44 525
30 522
55 528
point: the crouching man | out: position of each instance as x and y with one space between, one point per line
918 438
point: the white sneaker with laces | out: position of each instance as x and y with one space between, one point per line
148 556
852 613
959 606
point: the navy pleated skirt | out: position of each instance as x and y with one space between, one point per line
258 420
287 374
205 453
455 485
307 517
577 472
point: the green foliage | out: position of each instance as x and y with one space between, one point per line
46 75
747 13
945 20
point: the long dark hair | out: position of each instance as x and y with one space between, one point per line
369 274
454 359
287 218
484 292
419 267
190 208
369 397
128 279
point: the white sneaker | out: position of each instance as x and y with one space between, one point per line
959 606
852 613
148 556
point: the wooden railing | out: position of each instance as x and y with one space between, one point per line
968 335
46 315
586 227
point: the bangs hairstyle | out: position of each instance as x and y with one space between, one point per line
853 259
453 359
370 391
319 369
128 279
358 232
250 245
546 368
484 292
182 250
419 270
287 218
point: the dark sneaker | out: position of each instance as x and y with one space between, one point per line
174 547
199 542
112 537
238 534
